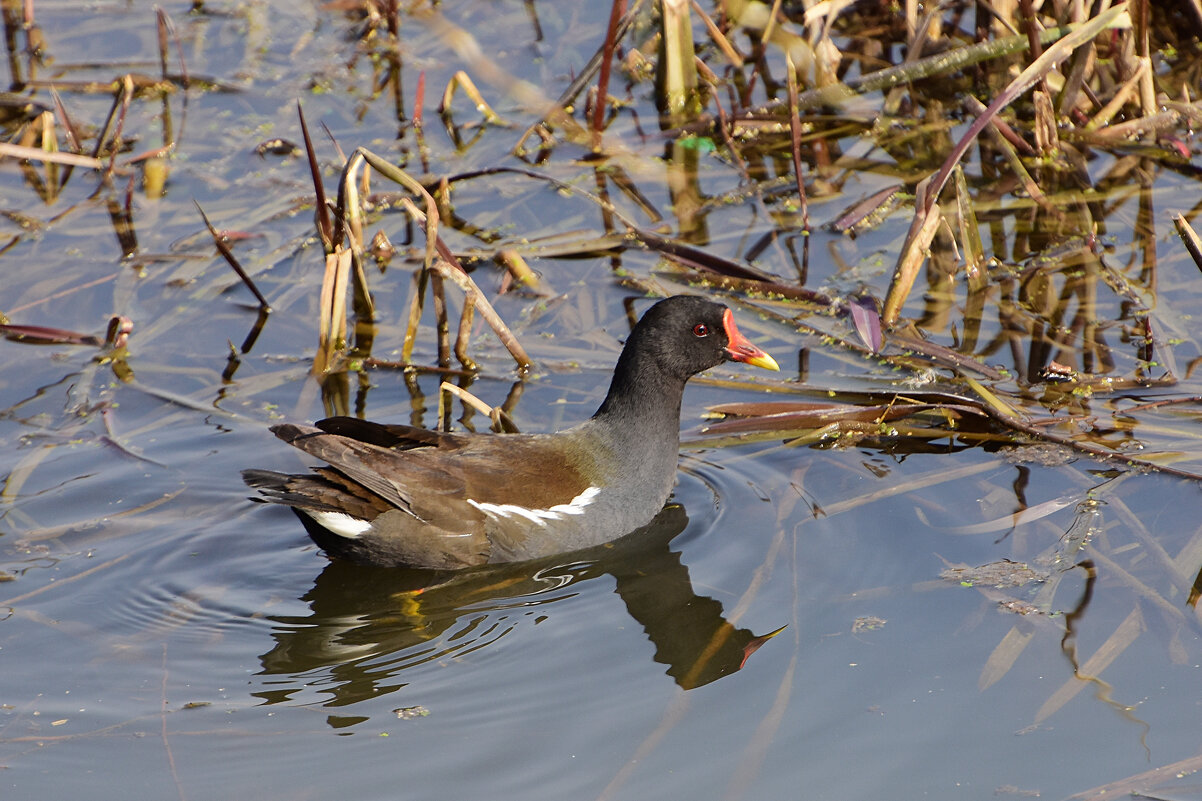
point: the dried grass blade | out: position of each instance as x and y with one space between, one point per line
500 420
1007 522
718 37
922 481
839 414
60 582
349 226
20 473
420 279
462 79
994 401
65 120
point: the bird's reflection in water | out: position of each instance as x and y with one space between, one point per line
368 624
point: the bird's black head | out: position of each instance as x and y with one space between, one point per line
684 335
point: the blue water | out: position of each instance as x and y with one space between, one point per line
164 637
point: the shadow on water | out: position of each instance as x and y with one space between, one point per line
368 624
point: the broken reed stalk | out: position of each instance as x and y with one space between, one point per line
501 422
520 271
228 255
676 67
462 79
1190 238
332 316
922 231
72 136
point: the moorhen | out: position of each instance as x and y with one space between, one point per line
397 495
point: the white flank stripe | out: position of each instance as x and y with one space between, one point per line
577 504
340 523
539 516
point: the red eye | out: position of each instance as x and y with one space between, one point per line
701 330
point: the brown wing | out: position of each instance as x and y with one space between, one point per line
397 437
434 481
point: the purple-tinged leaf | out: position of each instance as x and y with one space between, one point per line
867 322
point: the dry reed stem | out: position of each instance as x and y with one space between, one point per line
616 11
1189 237
441 326
719 38
55 157
461 279
462 80
676 71
224 249
325 228
499 419
465 333
795 142
332 315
